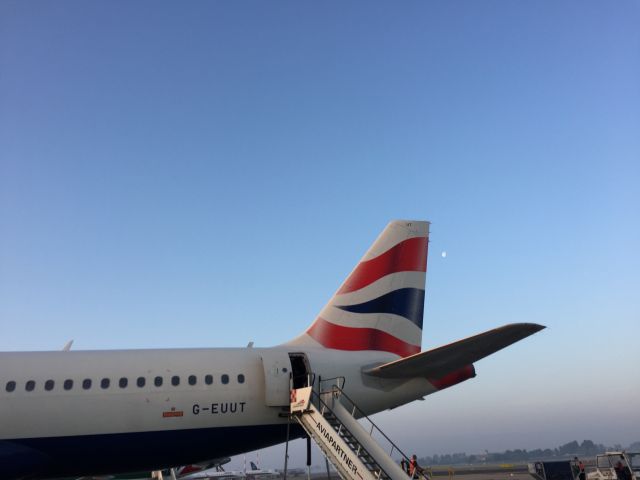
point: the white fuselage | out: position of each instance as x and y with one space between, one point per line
226 401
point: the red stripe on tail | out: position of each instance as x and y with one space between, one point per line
407 256
351 338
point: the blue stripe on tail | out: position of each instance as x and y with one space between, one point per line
405 302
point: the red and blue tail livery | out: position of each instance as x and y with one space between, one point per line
380 305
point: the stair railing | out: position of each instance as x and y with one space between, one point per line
337 381
359 414
336 389
323 407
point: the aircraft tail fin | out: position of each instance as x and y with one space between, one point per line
380 304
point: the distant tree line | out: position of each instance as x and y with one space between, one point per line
569 450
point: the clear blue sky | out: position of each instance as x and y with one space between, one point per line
206 174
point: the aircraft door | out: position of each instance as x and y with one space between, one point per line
277 368
300 371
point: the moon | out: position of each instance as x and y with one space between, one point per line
443 254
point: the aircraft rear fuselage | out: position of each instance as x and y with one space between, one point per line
118 411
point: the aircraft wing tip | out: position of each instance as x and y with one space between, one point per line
536 327
532 327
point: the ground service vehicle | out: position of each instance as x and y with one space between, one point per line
616 466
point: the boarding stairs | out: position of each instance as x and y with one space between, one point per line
329 418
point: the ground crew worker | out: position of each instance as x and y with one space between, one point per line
414 468
574 467
581 474
622 472
405 465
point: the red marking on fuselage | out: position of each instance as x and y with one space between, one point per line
173 413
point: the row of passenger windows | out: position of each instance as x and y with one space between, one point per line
123 382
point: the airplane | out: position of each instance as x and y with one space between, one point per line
86 413
209 469
197 470
256 473
216 472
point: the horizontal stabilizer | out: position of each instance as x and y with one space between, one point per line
447 359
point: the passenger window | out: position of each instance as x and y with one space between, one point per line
157 381
175 380
192 379
104 383
241 378
68 384
208 379
140 382
86 383
30 385
225 379
48 385
123 382
11 386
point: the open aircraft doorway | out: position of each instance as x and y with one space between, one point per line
300 371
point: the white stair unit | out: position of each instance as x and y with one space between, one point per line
342 439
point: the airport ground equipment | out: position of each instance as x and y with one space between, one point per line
330 419
616 466
556 470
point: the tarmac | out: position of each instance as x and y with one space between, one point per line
465 472
472 476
